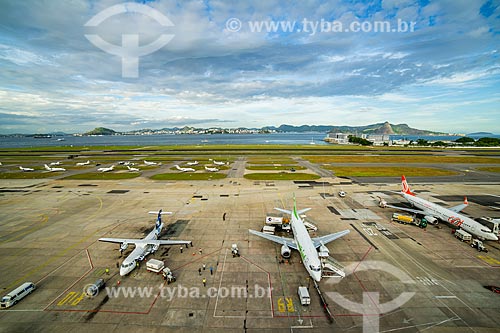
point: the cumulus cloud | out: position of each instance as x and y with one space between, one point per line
208 75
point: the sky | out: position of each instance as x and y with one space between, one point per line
216 69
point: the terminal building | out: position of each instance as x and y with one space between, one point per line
343 138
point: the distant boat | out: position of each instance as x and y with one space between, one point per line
61 139
312 142
204 141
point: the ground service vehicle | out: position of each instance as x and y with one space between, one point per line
235 251
464 236
278 221
17 294
267 229
154 265
93 289
167 275
405 219
304 297
478 245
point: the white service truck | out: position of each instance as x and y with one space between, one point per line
304 297
154 265
463 235
278 220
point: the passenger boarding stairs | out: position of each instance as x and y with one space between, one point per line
331 268
309 226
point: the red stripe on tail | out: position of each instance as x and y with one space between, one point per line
406 187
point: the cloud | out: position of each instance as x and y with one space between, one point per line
208 75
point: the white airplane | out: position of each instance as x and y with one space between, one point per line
53 169
192 163
133 169
184 169
83 163
143 247
55 163
302 242
433 212
106 169
150 163
218 163
211 169
26 169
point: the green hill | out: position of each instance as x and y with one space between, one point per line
101 131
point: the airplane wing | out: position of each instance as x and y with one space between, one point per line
144 241
414 211
280 240
458 208
328 238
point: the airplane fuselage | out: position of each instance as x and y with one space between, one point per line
139 252
454 218
306 248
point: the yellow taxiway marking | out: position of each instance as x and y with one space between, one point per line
98 272
490 260
72 298
289 304
282 307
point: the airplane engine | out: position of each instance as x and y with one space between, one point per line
155 248
431 219
123 247
285 251
324 249
382 203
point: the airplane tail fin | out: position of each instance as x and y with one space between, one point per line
466 202
286 211
295 206
294 211
46 167
158 222
406 188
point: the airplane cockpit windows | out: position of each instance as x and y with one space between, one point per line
315 269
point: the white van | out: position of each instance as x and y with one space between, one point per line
17 294
304 296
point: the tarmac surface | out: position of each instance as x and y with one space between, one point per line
400 278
